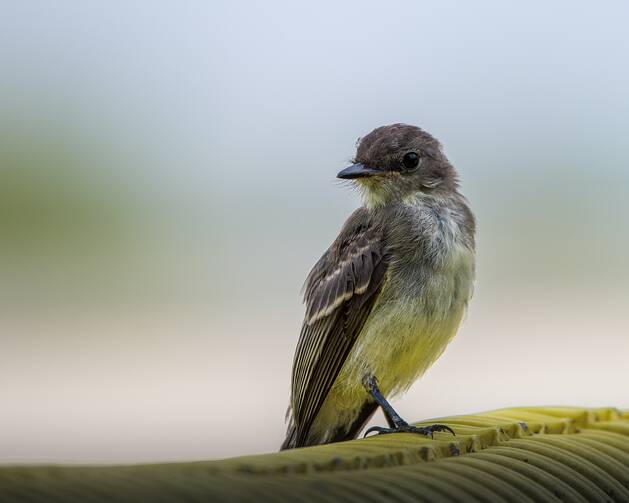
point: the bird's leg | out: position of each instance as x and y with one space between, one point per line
392 417
389 420
396 423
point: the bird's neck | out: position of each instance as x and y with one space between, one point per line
373 200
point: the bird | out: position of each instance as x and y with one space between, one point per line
388 295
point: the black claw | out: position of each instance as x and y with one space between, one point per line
440 427
381 430
406 428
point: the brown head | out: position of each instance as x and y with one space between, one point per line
397 161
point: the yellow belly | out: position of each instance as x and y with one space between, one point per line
397 347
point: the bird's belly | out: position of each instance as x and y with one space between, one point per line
399 345
411 325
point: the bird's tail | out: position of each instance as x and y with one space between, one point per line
290 442
338 433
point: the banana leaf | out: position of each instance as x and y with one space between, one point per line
522 455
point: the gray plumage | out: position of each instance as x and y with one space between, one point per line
389 293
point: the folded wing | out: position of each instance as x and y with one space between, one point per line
340 292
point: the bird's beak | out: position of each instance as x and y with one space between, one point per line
357 171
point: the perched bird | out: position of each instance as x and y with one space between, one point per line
388 295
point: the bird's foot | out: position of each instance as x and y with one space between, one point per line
407 428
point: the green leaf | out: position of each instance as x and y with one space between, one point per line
526 454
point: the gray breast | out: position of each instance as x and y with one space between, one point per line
432 253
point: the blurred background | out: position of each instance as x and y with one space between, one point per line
167 179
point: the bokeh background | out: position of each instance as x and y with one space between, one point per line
167 181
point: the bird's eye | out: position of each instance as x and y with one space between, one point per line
410 160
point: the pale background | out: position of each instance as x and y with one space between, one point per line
167 180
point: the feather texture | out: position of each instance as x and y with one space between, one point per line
339 293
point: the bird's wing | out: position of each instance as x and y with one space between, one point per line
340 292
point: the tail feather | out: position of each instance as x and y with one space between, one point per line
290 442
366 411
339 434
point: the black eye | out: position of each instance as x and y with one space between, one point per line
410 160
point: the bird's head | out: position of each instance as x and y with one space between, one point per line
399 161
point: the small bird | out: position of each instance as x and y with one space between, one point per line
389 294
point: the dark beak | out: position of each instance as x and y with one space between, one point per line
357 171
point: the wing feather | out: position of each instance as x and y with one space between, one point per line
339 293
